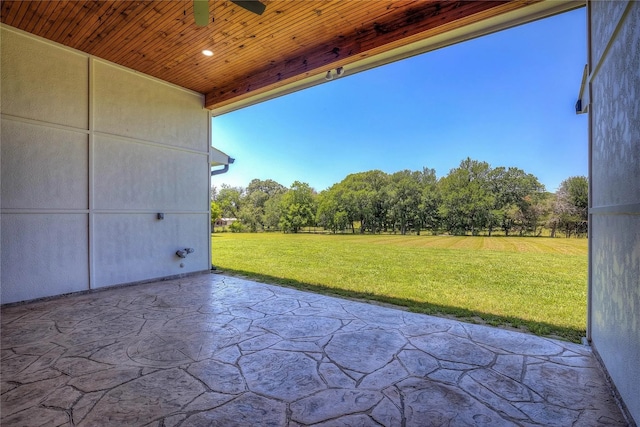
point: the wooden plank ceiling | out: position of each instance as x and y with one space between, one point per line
292 40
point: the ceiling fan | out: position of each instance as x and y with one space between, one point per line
201 9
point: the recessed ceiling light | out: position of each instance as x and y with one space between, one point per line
207 52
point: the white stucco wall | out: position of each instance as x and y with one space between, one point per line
615 186
90 152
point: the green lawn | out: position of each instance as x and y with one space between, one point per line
536 284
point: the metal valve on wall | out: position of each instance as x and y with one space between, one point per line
182 253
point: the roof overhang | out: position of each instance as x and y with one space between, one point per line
530 13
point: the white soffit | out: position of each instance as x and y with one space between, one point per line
217 157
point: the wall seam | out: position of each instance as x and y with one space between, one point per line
210 142
135 212
125 138
628 209
47 211
44 124
618 213
91 178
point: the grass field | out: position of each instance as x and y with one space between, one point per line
534 284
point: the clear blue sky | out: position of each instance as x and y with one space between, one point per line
507 99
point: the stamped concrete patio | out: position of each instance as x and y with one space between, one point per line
221 351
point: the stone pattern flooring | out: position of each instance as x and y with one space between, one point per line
221 351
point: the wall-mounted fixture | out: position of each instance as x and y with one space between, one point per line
339 72
182 253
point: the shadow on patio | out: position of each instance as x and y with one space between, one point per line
219 350
472 316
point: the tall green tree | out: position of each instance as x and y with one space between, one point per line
251 216
216 213
577 189
331 214
364 197
429 201
356 200
467 199
298 207
230 200
517 195
273 213
255 198
406 195
259 191
571 206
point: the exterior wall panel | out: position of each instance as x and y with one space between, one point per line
616 265
153 111
616 114
43 167
43 82
615 201
148 176
43 255
608 15
136 247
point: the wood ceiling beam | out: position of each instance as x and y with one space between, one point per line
422 20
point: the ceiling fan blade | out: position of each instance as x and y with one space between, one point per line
254 6
201 12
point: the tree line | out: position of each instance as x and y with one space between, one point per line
471 199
